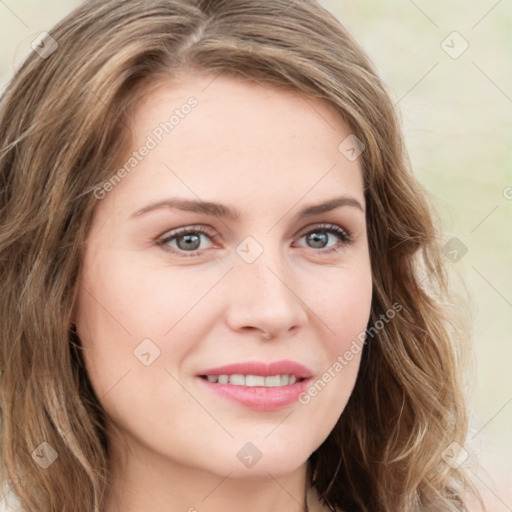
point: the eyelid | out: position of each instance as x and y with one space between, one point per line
344 234
323 226
174 233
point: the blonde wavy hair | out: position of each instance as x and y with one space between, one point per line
64 129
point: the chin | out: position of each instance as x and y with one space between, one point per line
258 459
275 467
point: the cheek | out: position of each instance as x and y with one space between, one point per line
128 308
343 304
127 298
125 301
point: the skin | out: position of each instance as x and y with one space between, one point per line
269 153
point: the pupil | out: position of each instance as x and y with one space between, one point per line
188 239
319 240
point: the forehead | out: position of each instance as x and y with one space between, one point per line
240 139
242 109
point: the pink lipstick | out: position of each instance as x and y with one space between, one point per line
260 386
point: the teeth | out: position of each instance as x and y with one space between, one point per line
274 380
253 380
236 380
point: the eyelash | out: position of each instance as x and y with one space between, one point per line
344 235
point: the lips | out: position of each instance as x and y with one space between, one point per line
290 368
260 386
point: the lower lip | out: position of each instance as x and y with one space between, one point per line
259 397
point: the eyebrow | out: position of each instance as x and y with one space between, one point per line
230 213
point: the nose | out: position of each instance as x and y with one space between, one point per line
264 298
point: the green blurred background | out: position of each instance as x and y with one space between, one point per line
456 110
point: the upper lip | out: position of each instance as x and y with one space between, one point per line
284 367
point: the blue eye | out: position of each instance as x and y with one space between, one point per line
186 241
319 236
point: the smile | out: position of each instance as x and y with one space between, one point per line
253 380
258 385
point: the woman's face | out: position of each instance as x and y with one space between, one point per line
276 290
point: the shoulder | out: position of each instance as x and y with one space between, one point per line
9 502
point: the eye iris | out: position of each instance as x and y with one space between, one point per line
318 239
191 241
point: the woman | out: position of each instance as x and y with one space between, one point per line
222 285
